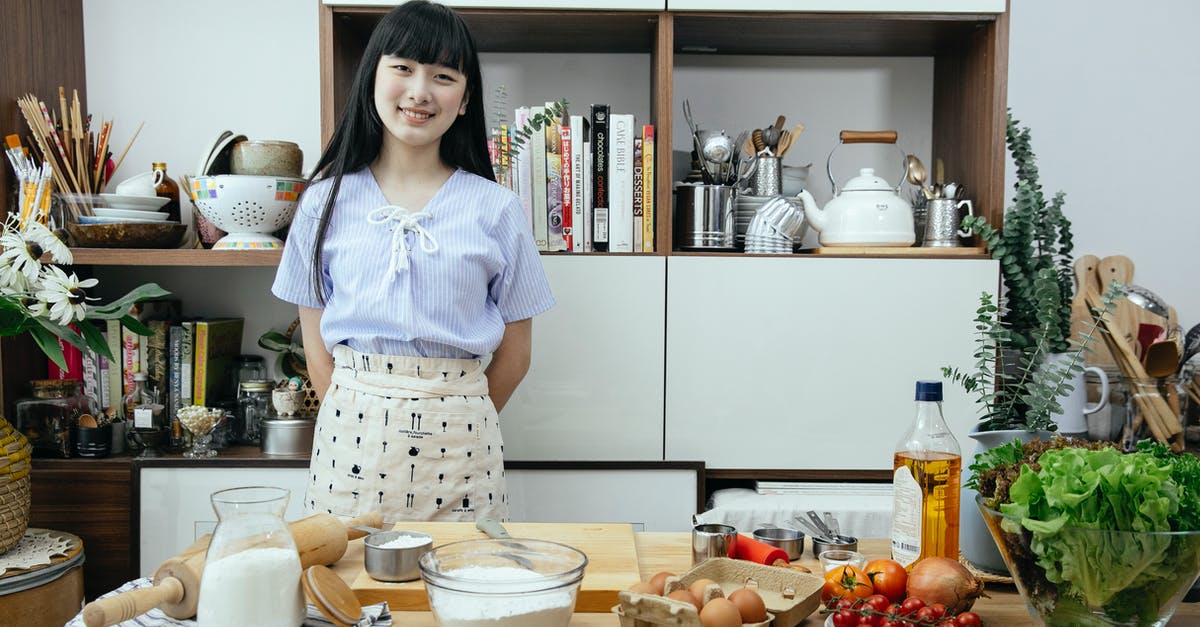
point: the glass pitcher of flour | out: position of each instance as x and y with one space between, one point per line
252 568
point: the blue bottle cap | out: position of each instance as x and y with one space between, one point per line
929 390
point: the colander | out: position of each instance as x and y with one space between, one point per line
248 208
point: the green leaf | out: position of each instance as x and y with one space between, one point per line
135 325
120 307
48 342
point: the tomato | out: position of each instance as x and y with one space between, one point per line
911 605
927 615
846 581
876 602
888 578
968 619
939 610
845 618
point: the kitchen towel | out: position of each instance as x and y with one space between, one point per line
373 615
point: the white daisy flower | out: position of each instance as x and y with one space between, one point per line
65 295
44 237
23 248
11 279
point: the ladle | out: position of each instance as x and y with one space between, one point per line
916 174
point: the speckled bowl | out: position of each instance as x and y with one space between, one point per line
266 158
127 234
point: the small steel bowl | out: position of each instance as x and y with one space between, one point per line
790 540
820 545
384 563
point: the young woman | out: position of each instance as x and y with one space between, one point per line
408 263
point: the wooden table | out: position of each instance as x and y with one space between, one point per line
672 552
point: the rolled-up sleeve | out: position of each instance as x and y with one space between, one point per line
521 289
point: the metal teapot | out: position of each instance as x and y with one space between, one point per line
867 211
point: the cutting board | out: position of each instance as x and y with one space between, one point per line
612 561
901 251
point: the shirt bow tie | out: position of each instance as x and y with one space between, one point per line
404 222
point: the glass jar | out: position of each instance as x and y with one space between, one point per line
252 567
1124 421
254 406
244 368
48 418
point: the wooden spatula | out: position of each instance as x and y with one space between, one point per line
1125 317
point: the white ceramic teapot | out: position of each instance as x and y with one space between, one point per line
867 211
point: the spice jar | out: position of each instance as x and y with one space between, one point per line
254 406
48 418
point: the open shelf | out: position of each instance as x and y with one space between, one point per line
174 257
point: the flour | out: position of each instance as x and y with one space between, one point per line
259 587
522 608
403 542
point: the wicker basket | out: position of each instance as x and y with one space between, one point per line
14 485
312 402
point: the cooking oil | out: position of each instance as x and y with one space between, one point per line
927 468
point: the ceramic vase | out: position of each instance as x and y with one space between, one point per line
974 540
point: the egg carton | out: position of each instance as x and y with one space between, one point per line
790 595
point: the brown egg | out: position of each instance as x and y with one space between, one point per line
697 588
720 612
642 588
659 580
749 605
683 595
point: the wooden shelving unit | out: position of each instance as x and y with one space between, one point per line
176 257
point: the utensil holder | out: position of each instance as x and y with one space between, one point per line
767 180
704 216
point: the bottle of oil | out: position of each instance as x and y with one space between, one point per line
926 469
167 189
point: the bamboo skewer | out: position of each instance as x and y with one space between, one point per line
1163 423
122 157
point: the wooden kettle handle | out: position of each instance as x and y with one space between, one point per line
131 604
869 137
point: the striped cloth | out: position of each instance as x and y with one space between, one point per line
373 615
435 281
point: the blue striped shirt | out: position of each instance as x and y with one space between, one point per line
453 302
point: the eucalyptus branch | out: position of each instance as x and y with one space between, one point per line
554 111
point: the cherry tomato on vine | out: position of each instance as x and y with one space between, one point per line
968 619
911 605
845 618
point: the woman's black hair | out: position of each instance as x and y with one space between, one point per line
426 33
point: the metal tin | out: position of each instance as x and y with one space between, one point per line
704 216
790 540
394 564
288 436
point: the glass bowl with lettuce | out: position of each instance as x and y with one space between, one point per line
1091 535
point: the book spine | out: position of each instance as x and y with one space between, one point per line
554 183
505 150
620 186
637 191
521 169
187 362
72 356
568 189
102 363
131 362
116 377
648 189
588 182
200 376
91 378
578 185
600 195
175 370
537 159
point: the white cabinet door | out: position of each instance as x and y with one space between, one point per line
843 6
175 508
632 5
811 363
595 387
652 500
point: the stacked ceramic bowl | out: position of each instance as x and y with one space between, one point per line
778 224
133 217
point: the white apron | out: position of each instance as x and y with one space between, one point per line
415 438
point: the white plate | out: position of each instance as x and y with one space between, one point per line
151 216
102 220
134 203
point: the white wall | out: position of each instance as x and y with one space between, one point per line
1109 90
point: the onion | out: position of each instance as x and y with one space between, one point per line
943 580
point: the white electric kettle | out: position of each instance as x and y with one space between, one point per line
867 211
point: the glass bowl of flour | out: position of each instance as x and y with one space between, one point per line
503 583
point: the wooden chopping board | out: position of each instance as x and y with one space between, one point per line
610 549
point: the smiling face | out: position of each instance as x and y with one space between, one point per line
417 102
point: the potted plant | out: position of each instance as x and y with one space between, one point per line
1025 359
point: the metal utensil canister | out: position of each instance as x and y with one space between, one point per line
942 219
766 180
704 216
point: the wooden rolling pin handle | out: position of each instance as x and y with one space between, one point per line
371 519
869 137
129 605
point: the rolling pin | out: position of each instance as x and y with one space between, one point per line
320 539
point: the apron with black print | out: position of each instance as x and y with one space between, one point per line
412 437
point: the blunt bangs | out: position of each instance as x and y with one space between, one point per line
429 34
